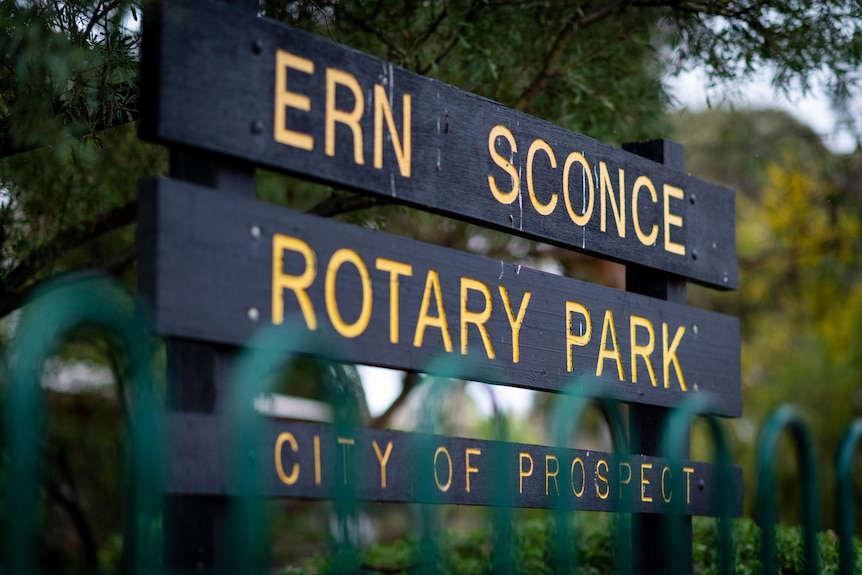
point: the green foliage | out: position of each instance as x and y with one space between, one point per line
65 70
469 553
746 537
738 37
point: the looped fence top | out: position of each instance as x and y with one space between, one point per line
845 502
674 444
787 418
577 397
255 372
53 314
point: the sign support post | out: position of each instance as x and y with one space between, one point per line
197 372
648 420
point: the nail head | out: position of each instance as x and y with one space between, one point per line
253 314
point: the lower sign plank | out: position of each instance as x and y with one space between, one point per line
319 461
223 267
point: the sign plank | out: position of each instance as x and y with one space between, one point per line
223 81
223 267
315 461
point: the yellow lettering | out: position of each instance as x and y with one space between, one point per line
666 496
503 197
602 463
544 209
628 478
432 284
286 99
672 219
606 189
643 351
614 352
468 469
395 270
581 219
345 442
645 239
342 256
383 458
515 322
583 477
668 355
279 468
300 283
522 473
551 475
317 477
335 78
381 111
688 471
580 339
476 318
445 487
644 482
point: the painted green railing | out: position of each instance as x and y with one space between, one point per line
98 302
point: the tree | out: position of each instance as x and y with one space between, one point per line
798 229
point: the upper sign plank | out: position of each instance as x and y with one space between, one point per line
223 267
226 82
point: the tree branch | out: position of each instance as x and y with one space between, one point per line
409 383
66 496
19 283
558 50
469 16
337 204
76 126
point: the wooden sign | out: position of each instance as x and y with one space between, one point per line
222 267
310 460
224 81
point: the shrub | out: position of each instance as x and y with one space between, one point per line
469 553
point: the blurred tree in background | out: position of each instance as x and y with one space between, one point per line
70 160
799 233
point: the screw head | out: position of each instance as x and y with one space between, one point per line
257 46
255 232
256 127
253 314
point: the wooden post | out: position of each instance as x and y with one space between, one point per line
194 526
196 375
646 421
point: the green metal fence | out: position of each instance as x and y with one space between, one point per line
90 301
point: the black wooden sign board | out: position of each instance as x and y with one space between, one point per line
222 267
320 461
224 81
